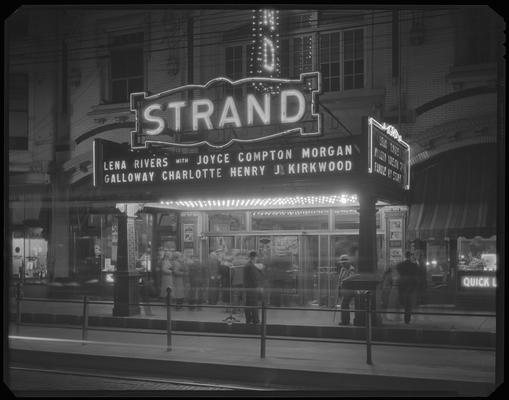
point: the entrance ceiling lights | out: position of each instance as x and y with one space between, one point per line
265 203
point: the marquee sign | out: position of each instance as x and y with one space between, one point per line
116 165
388 155
203 115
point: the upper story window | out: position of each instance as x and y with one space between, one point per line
18 111
126 66
235 61
476 37
342 60
296 56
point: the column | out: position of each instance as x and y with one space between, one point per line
367 235
367 260
126 293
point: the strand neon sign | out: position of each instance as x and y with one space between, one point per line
162 117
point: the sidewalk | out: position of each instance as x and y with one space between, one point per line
304 365
472 331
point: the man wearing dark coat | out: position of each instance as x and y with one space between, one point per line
408 283
252 282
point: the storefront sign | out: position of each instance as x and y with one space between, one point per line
478 282
388 154
199 115
118 166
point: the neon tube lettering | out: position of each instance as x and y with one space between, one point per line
205 115
252 103
285 119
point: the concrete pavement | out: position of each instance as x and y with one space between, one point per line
440 327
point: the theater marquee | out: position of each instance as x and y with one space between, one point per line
117 165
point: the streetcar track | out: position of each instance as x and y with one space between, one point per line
139 379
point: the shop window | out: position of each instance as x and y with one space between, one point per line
29 254
273 220
477 254
18 111
476 40
296 56
126 66
342 66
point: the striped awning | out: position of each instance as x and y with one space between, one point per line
454 194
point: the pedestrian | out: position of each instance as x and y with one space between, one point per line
346 270
253 276
156 271
197 281
408 284
145 284
214 278
179 276
166 273
386 288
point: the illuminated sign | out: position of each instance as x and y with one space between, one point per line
264 57
478 281
388 154
116 165
195 115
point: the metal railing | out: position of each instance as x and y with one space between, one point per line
368 313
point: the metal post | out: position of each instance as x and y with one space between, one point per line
18 307
263 330
368 328
168 319
85 321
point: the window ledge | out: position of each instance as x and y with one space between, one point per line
116 108
472 73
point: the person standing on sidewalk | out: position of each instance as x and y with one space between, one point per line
408 284
179 276
253 277
166 273
346 270
214 278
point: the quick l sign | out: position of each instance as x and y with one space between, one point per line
478 281
223 112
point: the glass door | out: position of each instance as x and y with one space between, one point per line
308 277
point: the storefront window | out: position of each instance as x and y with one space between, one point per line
29 254
273 220
477 254
93 248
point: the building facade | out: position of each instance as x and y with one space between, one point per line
431 73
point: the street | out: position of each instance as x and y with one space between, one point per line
26 378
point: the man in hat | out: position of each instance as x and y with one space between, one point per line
408 283
252 281
346 270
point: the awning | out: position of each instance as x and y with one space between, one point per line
454 194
